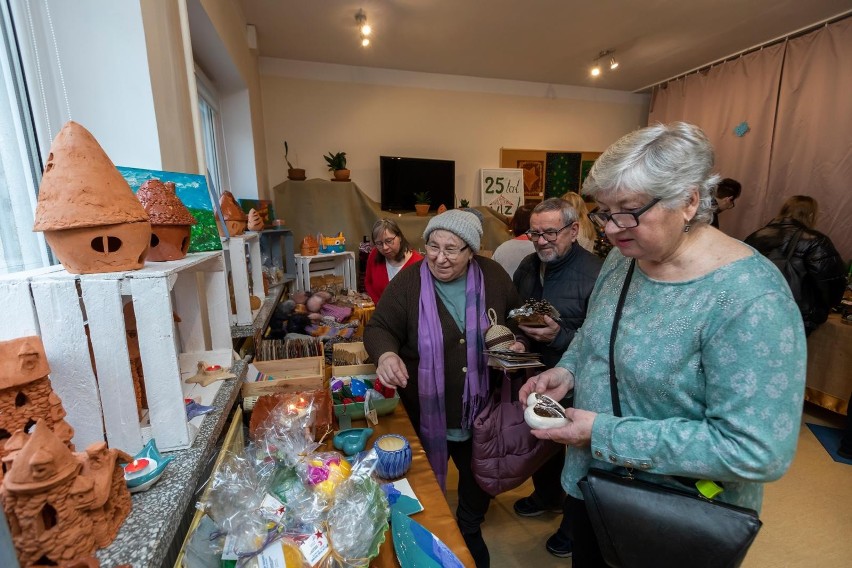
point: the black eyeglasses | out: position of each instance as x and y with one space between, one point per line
386 242
549 235
622 219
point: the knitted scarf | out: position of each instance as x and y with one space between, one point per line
430 372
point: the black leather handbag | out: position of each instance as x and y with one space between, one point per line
644 525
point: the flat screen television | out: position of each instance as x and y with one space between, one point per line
401 178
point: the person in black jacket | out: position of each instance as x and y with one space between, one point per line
563 273
727 193
814 271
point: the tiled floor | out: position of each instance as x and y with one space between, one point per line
807 515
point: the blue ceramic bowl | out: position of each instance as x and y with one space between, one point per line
394 453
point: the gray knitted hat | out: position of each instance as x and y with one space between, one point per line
463 224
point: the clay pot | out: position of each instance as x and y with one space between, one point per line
310 246
341 175
170 220
296 174
88 213
235 218
422 209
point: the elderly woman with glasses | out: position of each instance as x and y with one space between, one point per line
707 344
427 336
391 253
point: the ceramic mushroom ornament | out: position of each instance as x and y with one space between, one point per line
170 220
87 211
235 218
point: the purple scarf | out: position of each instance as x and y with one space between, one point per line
430 372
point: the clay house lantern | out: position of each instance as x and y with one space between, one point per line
170 220
235 218
62 506
26 395
88 213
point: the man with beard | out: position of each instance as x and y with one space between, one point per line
563 273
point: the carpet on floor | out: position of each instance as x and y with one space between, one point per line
830 440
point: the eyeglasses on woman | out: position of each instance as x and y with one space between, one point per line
622 219
434 250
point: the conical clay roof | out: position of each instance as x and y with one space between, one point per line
81 187
230 208
163 205
43 462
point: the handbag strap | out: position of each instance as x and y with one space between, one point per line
792 247
613 380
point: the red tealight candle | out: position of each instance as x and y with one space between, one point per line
214 368
136 466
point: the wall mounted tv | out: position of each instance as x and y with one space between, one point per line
401 178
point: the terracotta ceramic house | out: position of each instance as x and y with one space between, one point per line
255 221
170 220
235 218
61 505
26 395
88 213
310 246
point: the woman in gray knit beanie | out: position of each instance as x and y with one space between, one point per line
427 337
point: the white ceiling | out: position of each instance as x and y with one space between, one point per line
544 41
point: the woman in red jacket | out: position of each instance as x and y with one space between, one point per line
391 253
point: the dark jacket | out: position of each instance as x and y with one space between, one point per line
816 273
568 283
394 327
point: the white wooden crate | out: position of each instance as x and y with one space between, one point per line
244 259
59 306
340 264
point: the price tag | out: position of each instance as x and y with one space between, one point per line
503 189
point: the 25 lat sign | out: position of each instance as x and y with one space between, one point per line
503 189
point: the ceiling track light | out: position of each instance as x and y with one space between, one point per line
596 69
364 29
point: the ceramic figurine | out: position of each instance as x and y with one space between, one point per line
255 221
89 215
309 247
170 220
26 394
62 505
145 468
235 218
332 244
208 374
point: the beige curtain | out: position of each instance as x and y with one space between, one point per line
812 150
795 97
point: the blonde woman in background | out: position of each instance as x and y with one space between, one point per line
587 234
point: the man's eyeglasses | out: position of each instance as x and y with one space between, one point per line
387 242
449 253
622 219
549 235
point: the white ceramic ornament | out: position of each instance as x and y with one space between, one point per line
543 412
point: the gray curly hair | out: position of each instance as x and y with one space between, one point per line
664 161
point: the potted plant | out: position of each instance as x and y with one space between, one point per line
464 203
422 201
297 174
337 164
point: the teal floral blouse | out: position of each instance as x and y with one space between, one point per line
711 376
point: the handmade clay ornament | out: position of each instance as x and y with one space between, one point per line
543 412
89 215
146 468
208 374
352 440
309 247
394 453
26 394
332 244
442 208
63 505
235 218
171 221
255 221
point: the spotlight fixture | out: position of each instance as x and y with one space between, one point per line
364 29
596 69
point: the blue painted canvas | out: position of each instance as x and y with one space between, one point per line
194 193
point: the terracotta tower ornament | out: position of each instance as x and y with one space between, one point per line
62 506
235 218
170 220
88 213
26 395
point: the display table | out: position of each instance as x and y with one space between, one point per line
829 381
153 531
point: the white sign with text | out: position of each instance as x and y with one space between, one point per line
503 189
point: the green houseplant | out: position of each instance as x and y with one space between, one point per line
464 203
422 201
296 174
337 164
